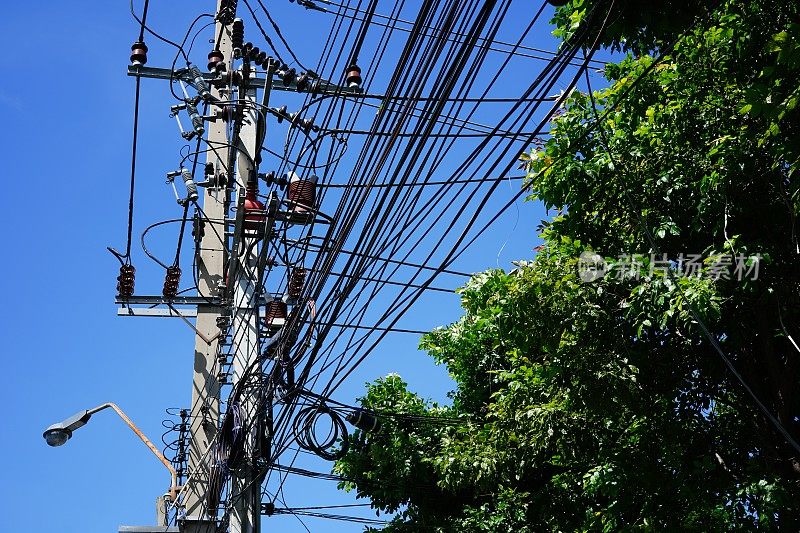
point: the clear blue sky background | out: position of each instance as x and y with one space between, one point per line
67 105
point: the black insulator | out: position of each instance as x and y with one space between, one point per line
353 77
138 53
261 59
271 180
237 37
307 125
268 178
215 61
246 49
297 281
282 182
229 77
363 420
302 192
303 81
282 113
268 508
288 76
171 282
198 228
126 281
227 10
253 53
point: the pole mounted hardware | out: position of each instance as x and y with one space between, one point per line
191 187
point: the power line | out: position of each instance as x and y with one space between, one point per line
547 57
419 184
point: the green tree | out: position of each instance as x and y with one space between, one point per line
603 405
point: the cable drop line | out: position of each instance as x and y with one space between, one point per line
133 167
144 20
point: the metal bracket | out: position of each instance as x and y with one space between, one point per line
177 301
323 87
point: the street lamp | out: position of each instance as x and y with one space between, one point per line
58 434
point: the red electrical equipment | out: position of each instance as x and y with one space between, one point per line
138 53
216 61
126 281
171 282
302 193
274 311
296 282
254 215
353 76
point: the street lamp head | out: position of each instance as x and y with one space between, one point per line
58 434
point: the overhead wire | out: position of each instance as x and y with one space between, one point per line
278 32
334 386
548 53
392 118
144 27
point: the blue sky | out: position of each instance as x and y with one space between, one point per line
68 103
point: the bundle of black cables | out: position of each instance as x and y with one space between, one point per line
306 435
228 451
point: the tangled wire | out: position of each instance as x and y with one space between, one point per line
305 430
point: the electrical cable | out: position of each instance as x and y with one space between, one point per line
550 53
133 166
263 32
280 35
146 28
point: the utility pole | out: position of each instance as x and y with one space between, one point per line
246 510
232 262
211 264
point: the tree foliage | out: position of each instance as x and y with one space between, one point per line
602 405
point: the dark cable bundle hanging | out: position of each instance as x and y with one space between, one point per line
305 431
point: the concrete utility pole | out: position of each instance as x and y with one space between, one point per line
232 261
246 512
211 264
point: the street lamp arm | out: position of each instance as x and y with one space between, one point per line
174 475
